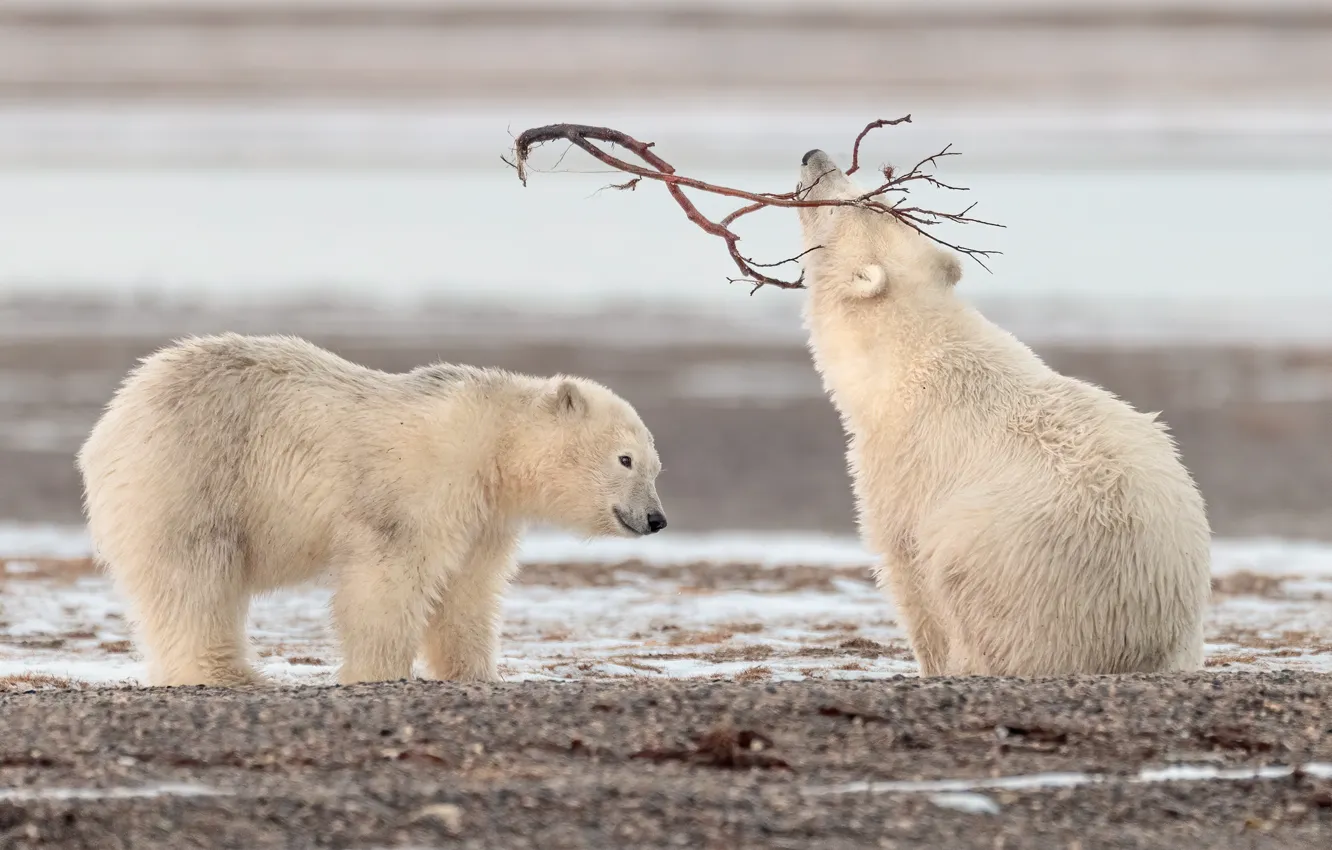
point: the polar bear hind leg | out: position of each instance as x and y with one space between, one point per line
189 616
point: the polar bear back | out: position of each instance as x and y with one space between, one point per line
270 440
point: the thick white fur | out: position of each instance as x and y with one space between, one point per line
227 466
1029 524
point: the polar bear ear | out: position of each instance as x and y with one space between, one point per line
950 267
869 281
566 398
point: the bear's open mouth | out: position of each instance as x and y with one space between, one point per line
620 519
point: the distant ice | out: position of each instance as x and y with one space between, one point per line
629 269
1271 556
750 548
37 540
726 129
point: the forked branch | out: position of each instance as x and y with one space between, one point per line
654 167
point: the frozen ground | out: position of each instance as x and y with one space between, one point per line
721 607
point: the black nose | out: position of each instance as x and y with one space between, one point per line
804 160
656 521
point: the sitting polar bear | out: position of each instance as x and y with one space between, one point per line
1029 524
227 466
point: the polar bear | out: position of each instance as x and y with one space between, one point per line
1027 523
226 466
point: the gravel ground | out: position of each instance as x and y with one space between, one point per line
673 764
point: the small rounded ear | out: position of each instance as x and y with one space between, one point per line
950 268
869 281
565 398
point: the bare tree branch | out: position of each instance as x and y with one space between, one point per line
586 137
873 125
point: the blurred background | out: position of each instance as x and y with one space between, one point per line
332 168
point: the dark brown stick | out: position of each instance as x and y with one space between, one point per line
585 136
873 125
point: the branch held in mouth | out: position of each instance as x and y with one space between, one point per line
591 138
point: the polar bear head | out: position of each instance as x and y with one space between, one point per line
589 464
861 253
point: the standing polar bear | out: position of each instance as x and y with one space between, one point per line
227 466
1029 524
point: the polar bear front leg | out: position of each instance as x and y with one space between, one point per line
925 631
462 637
380 609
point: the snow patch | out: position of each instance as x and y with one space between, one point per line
63 627
1047 781
164 789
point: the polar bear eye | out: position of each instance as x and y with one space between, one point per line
626 461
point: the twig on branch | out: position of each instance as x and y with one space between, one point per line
655 168
873 125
